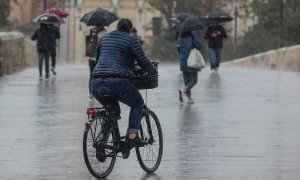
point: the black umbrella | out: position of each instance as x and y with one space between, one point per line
99 17
191 23
219 17
48 18
179 17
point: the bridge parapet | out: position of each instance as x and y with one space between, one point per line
287 58
15 52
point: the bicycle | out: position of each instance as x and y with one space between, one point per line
100 153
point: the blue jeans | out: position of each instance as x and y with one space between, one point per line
190 78
110 92
215 58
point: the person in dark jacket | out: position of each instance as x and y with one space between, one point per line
55 36
186 41
43 37
112 76
215 34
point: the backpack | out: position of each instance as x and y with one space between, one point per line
91 42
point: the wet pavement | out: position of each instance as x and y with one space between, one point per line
244 125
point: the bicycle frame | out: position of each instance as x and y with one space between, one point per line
119 144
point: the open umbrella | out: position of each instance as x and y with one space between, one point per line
99 17
47 18
191 23
219 17
181 16
59 12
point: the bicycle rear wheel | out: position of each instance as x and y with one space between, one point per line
149 156
92 133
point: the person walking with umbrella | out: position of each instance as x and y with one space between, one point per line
43 37
186 41
215 34
99 18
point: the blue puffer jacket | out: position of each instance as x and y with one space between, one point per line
186 44
116 52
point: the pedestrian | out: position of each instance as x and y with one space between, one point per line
134 32
112 77
91 46
215 34
186 41
43 37
55 36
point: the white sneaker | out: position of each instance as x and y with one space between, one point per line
190 101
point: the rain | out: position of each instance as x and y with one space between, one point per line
234 119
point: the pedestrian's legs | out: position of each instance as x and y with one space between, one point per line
53 60
192 81
185 75
92 64
218 57
53 57
212 58
41 58
46 65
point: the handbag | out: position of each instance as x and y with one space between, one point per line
195 59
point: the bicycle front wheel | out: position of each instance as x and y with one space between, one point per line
98 167
149 156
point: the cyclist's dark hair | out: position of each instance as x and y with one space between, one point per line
125 25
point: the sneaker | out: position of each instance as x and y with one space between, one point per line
180 96
190 101
53 71
41 78
136 142
47 76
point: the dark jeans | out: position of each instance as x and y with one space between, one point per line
53 57
214 57
190 78
110 92
92 64
42 57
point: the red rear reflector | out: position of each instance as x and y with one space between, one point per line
91 112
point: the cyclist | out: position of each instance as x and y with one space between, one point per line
112 77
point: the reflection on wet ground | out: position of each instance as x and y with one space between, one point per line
244 125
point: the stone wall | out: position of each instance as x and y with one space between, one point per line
287 58
16 52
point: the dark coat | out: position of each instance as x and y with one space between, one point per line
116 52
45 39
215 42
